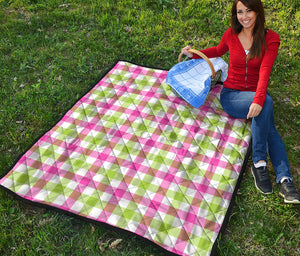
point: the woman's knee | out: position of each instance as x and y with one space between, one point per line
269 99
267 110
268 105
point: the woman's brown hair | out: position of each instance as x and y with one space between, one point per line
259 27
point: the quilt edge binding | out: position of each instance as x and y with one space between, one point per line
232 201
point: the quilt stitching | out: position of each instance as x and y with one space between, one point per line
133 155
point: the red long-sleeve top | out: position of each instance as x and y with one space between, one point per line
246 75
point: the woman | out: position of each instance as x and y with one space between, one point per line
253 50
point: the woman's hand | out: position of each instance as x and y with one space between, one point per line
185 51
254 110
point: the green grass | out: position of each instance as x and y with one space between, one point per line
51 52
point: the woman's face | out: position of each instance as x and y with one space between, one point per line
245 16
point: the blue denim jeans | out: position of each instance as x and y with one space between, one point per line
265 138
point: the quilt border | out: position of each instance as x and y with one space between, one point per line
232 201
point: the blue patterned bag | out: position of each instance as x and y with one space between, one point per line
192 79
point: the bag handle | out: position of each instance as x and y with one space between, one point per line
204 57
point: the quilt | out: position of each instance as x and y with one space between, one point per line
131 154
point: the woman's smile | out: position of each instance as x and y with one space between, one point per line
245 16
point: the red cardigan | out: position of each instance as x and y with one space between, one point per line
252 75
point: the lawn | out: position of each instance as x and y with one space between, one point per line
53 51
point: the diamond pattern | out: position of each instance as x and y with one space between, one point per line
133 155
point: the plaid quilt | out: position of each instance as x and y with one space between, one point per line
133 155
